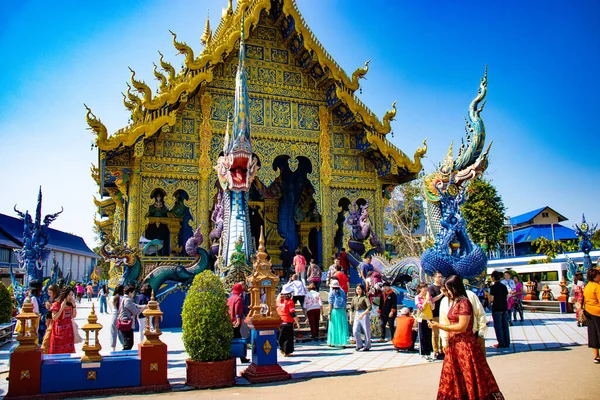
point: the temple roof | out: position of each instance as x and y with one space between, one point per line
11 229
150 113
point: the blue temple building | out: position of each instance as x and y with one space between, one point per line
71 251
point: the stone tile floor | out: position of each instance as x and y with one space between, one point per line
313 359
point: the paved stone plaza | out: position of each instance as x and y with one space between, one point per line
539 331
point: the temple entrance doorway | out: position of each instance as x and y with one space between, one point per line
297 213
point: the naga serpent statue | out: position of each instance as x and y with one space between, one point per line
585 233
236 170
174 272
444 192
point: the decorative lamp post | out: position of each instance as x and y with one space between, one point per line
28 334
530 288
264 323
91 348
546 293
153 316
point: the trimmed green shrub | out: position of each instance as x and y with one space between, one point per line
6 306
207 328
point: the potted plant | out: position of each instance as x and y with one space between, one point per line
207 334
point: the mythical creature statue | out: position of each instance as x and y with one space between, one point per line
238 269
176 272
34 252
123 256
444 191
217 217
406 273
237 168
585 233
182 274
358 219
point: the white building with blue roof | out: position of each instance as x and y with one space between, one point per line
71 251
542 222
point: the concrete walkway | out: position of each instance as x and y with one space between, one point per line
539 331
565 373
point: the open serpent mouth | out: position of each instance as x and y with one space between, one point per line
239 163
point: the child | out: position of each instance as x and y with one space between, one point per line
425 312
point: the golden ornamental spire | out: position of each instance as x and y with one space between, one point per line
207 35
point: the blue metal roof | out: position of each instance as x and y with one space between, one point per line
12 228
530 233
528 216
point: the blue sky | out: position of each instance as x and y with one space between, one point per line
542 100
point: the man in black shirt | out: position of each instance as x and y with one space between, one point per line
499 299
435 292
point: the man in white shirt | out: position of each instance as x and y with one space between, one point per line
508 282
479 319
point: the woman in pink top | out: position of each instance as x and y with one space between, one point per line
518 299
300 265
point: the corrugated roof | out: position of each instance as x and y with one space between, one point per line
58 240
530 233
528 216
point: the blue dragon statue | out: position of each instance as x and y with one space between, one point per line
32 256
34 252
236 170
585 233
444 192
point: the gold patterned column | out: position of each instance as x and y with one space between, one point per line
379 210
325 155
205 168
134 203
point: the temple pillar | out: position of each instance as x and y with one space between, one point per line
379 211
134 204
205 168
325 155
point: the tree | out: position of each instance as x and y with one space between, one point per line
551 248
596 240
405 215
483 211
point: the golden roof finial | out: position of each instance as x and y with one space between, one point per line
261 243
207 35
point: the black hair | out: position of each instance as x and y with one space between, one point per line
338 267
360 285
298 251
437 272
343 249
497 275
129 288
455 286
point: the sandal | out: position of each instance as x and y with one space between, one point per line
597 360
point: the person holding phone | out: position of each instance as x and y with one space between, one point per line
62 339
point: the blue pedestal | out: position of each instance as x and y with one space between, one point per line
66 373
263 353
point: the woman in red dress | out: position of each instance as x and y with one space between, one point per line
63 310
465 372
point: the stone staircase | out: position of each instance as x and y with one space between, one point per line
303 334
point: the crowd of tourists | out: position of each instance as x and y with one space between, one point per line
62 332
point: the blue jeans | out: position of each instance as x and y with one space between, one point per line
103 308
501 319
